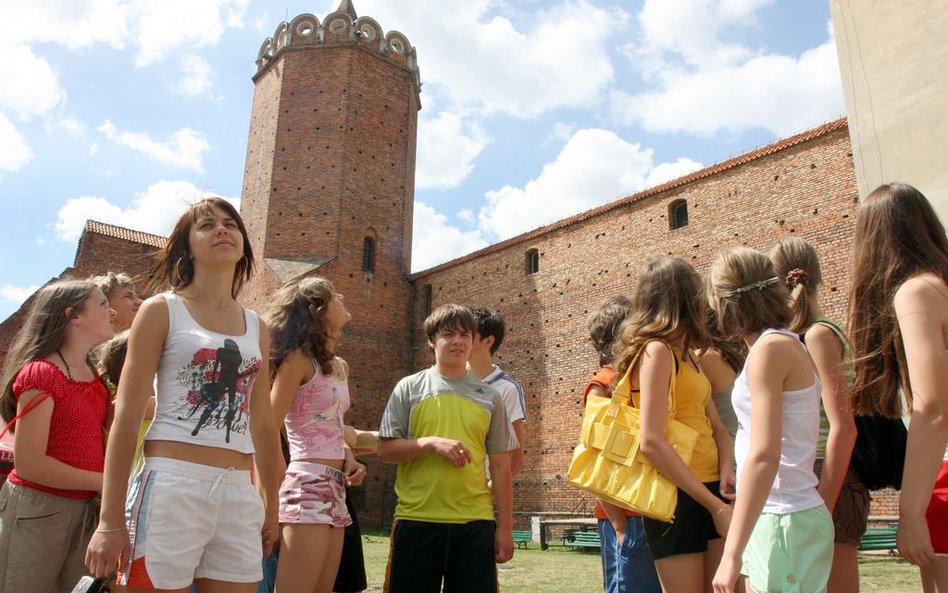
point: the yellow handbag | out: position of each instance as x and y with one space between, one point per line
608 462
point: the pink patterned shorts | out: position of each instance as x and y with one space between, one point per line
313 493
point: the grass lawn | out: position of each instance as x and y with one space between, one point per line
564 570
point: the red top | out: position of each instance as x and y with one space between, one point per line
76 424
603 380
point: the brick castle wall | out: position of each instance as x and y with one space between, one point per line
807 190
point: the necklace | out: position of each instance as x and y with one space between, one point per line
68 371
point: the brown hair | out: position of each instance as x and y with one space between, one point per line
173 266
668 304
604 323
42 333
798 266
898 236
745 293
450 316
297 320
111 361
734 352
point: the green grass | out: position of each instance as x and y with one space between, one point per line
564 570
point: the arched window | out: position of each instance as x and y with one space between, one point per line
677 214
533 261
368 255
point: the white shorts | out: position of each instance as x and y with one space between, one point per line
189 521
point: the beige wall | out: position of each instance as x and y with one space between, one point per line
893 58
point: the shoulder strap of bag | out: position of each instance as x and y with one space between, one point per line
622 392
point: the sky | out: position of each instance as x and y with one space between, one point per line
124 111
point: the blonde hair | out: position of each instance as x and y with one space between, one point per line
112 280
798 266
297 321
43 332
746 294
668 304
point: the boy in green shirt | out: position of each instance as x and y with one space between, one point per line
438 427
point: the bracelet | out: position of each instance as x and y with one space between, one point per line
718 512
109 530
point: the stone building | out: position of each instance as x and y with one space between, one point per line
329 189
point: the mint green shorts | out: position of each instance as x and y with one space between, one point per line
790 553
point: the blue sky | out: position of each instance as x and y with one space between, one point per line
125 110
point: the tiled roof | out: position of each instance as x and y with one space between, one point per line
110 230
714 169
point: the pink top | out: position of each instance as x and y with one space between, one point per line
314 426
75 427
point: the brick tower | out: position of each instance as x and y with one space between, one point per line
328 190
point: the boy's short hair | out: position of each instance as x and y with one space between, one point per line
450 316
112 280
490 323
604 323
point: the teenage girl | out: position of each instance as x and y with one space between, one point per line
60 408
310 395
798 266
899 328
666 323
193 514
781 534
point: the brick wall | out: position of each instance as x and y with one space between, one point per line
806 189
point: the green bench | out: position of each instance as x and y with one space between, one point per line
879 538
522 538
586 539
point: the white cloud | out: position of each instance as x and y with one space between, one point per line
447 148
434 241
594 167
30 87
197 76
153 211
70 125
16 294
777 93
185 148
558 57
169 24
14 151
74 25
701 84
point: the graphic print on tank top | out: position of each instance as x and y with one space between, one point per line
218 383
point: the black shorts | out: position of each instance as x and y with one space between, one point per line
690 532
425 554
351 575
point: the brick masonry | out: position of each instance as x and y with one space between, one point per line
330 161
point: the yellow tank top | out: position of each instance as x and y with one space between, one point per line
692 396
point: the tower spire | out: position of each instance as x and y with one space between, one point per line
347 7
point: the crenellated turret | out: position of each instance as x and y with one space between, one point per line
340 27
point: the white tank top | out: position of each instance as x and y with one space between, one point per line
794 487
204 382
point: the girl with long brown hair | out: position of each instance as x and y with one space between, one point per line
797 264
310 396
193 515
667 322
899 330
57 407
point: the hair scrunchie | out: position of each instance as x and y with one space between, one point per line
797 277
